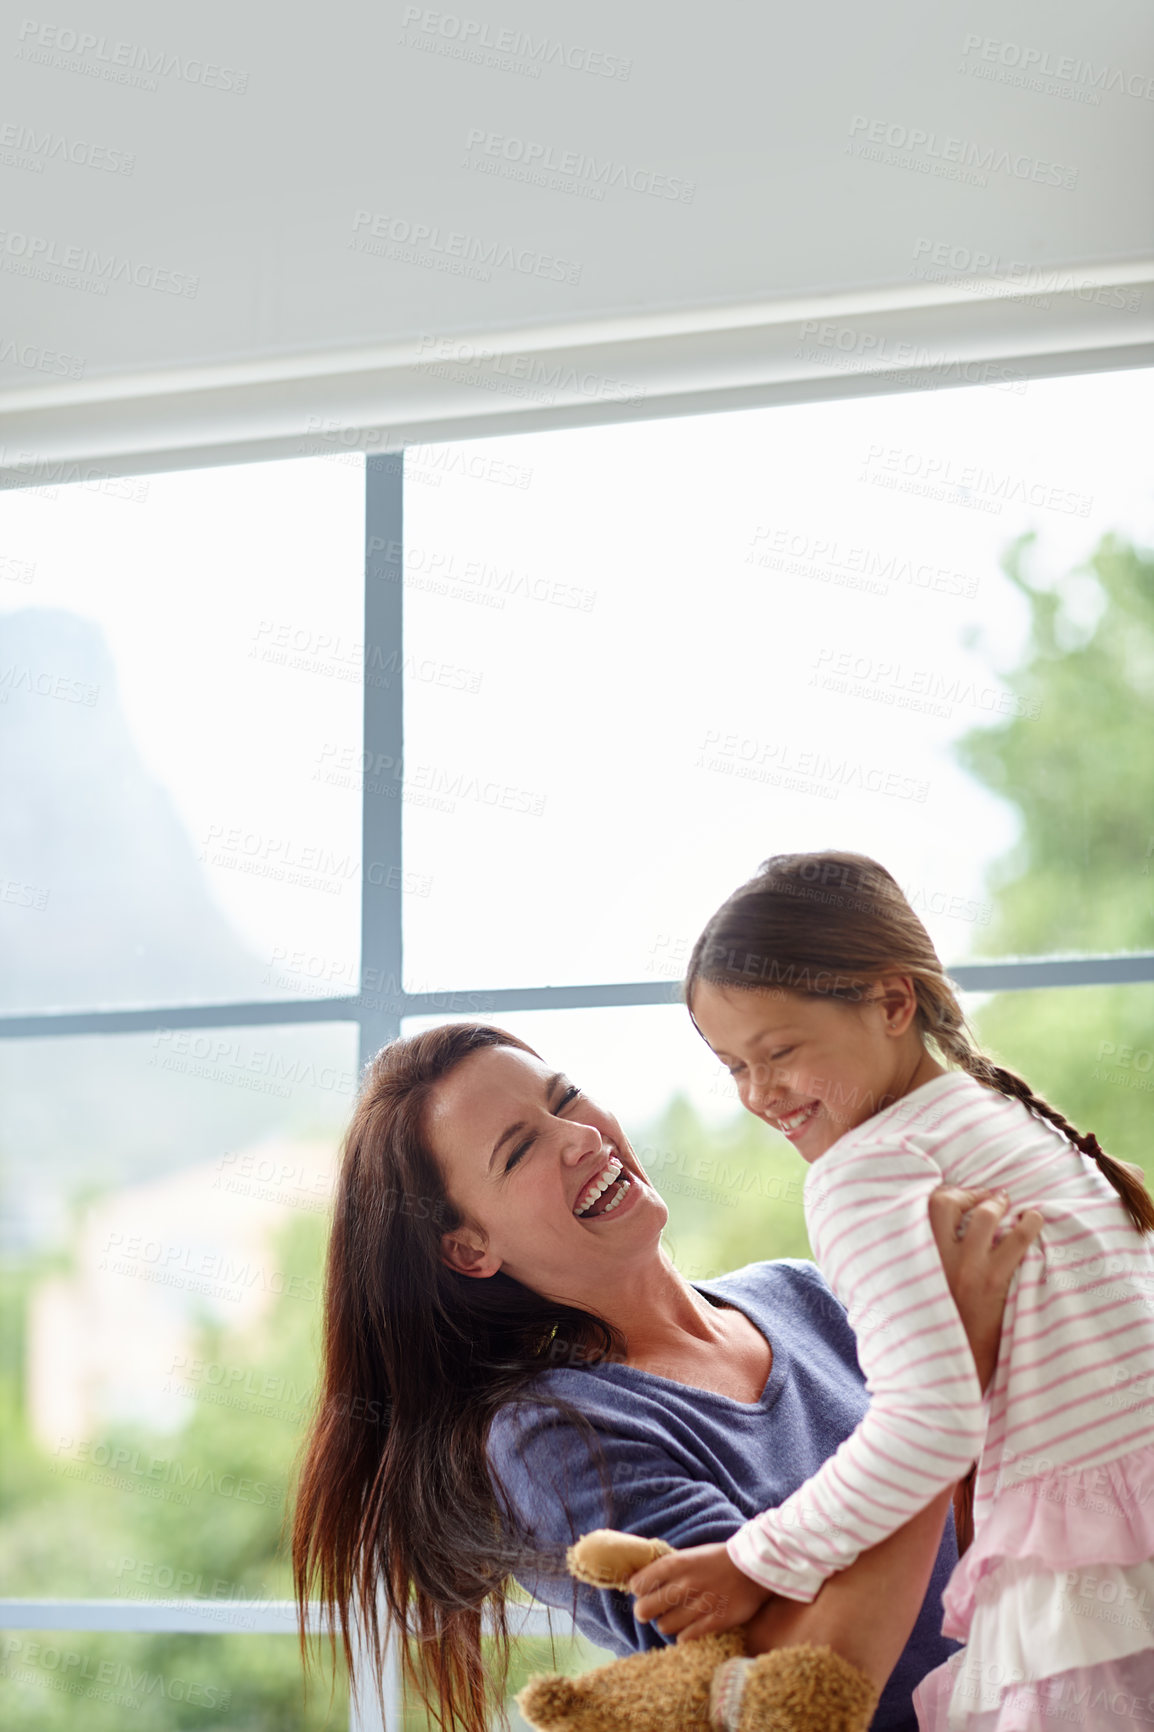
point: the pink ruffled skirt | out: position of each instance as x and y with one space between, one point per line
1055 1602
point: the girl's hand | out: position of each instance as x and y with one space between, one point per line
980 1253
697 1592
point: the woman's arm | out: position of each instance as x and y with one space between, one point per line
867 1613
980 1255
979 1278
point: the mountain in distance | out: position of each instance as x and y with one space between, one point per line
103 903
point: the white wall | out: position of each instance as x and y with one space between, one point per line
243 190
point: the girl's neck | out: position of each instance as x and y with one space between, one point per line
920 1067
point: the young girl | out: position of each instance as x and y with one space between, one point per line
819 988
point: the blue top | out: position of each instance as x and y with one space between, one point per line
688 1466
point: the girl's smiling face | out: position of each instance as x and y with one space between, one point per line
547 1184
814 1068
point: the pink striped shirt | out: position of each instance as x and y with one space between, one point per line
1074 1384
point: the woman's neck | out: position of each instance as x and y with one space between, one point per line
656 1312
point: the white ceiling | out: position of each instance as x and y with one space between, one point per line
785 257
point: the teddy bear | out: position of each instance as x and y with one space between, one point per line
703 1684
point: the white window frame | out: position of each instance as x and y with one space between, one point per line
378 1016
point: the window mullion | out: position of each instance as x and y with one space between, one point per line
382 989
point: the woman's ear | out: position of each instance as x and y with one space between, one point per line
467 1251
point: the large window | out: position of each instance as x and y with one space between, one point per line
304 753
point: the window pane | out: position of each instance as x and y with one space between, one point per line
57 1680
166 1200
181 668
644 657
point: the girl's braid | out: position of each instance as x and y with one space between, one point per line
944 1021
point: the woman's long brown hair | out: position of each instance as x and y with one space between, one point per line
395 1496
827 925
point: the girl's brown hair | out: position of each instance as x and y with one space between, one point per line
395 1494
828 925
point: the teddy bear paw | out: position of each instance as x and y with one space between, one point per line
803 1689
664 1690
607 1559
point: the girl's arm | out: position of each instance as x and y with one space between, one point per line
867 1612
867 1212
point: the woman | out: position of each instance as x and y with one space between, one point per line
511 1359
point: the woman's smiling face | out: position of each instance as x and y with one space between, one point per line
547 1184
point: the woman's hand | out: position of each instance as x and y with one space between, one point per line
696 1592
980 1253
